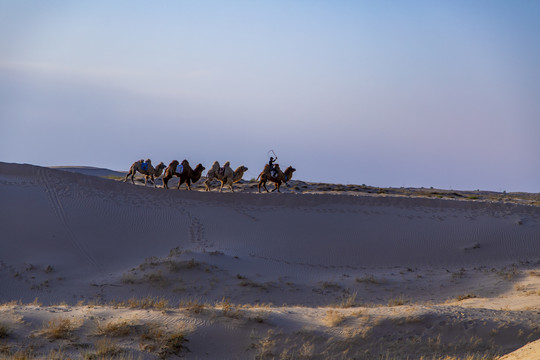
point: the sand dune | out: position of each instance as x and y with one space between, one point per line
247 275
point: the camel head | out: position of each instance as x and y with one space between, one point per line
241 168
160 166
199 167
289 172
291 169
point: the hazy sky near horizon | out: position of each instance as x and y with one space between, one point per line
384 93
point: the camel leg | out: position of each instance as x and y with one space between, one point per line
188 183
180 182
265 188
276 186
132 174
146 178
165 181
221 187
206 187
230 185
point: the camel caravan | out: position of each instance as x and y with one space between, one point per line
225 175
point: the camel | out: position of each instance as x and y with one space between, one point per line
282 176
187 174
225 175
149 171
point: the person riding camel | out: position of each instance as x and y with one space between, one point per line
273 171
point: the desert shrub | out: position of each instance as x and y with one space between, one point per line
400 300
114 328
61 328
193 306
333 318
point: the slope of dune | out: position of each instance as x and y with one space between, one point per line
90 170
291 275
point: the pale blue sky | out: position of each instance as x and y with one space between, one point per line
384 93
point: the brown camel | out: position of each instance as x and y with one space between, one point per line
225 175
148 171
187 174
282 177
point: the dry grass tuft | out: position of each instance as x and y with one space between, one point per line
106 349
60 328
348 301
192 306
265 347
400 300
114 328
333 318
143 303
508 274
229 309
155 339
11 303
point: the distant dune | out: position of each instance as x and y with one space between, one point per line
88 170
91 266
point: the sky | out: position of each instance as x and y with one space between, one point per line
382 93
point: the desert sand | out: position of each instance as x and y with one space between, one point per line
95 268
